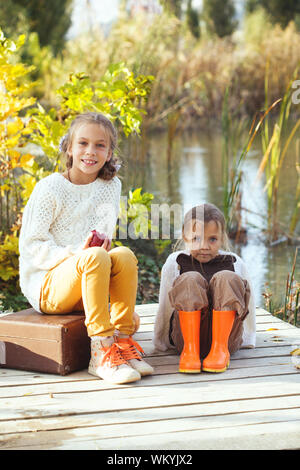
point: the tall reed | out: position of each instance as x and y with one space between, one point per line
290 309
274 154
233 159
296 211
292 295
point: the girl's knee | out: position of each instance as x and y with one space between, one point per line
228 289
230 292
189 292
123 255
96 255
224 277
191 277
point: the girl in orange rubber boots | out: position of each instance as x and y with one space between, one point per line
206 306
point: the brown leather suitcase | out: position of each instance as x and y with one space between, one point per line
55 344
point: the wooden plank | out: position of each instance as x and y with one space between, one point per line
147 329
163 366
147 397
21 385
270 436
15 377
241 360
274 436
259 392
182 426
150 414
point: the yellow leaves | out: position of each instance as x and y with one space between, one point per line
14 159
3 188
20 41
7 272
25 159
11 244
11 105
12 83
7 46
14 127
19 160
296 357
27 131
11 131
276 339
11 134
9 252
295 352
27 182
14 132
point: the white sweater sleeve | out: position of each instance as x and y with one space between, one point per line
165 310
36 243
249 335
110 211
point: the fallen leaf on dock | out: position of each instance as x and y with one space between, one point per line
295 352
276 338
296 357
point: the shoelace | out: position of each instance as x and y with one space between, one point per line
113 355
129 348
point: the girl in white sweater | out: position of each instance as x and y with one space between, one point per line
60 272
206 306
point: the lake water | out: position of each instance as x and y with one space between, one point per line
194 176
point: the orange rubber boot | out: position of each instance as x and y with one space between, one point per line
190 327
218 358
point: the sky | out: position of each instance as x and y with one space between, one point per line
103 11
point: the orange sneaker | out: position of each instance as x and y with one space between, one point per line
108 363
130 353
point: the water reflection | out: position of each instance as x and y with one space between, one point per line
194 175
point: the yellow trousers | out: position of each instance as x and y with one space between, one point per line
90 280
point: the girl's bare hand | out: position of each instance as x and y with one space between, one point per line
106 244
87 241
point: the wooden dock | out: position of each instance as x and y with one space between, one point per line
255 404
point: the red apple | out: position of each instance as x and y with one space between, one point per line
97 239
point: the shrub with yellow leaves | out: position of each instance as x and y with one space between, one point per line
13 129
13 133
118 93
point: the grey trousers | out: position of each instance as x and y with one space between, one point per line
225 291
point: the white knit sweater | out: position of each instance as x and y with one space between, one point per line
170 271
56 221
